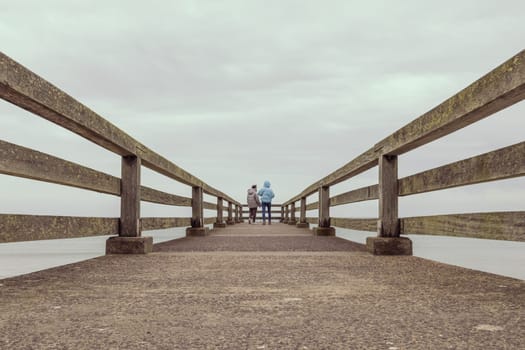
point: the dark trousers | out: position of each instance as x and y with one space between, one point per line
267 207
253 214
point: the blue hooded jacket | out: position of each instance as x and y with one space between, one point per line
266 193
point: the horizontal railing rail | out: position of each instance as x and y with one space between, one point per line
27 90
499 89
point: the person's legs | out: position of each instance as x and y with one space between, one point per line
253 213
264 213
269 213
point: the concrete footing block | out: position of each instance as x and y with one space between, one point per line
303 225
324 231
285 221
197 231
129 245
389 245
230 222
292 222
219 225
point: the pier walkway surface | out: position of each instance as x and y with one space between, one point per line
261 287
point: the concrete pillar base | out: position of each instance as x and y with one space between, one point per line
219 225
230 222
285 221
197 231
303 225
292 222
324 231
389 245
129 245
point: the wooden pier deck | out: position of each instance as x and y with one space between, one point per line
261 287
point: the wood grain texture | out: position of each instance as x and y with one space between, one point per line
504 163
18 228
356 224
501 88
27 163
496 225
158 223
130 197
210 206
358 195
312 206
27 90
324 206
388 224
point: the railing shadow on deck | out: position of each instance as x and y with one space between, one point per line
499 89
27 90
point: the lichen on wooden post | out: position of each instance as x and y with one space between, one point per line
324 228
292 220
302 216
220 209
388 241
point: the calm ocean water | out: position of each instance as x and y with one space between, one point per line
498 257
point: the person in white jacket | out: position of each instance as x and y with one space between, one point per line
253 203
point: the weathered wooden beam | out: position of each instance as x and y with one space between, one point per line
209 221
497 225
210 206
24 162
361 163
356 224
312 206
27 90
324 206
155 196
158 223
220 210
130 197
499 89
18 228
358 195
388 224
27 163
197 209
501 164
302 215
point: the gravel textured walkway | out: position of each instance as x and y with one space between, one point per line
296 297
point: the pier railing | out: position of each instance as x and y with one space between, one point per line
27 90
501 88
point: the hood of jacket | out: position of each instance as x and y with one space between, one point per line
267 184
252 191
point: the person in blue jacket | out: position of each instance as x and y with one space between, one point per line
266 195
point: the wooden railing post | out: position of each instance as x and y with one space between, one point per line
302 216
220 209
197 213
282 214
292 220
286 214
129 240
324 228
240 214
388 241
236 214
230 214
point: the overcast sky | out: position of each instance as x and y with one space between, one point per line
237 92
